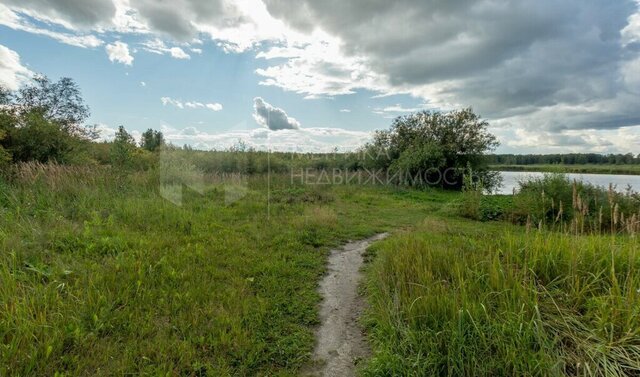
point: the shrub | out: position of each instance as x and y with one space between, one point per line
429 143
39 139
5 156
471 198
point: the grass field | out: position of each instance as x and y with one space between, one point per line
584 168
99 275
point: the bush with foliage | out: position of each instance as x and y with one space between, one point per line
124 154
43 121
5 156
432 146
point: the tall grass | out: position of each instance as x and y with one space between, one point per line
573 206
469 299
558 296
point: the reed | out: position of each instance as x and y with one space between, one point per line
593 209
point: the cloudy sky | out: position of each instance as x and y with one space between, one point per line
550 76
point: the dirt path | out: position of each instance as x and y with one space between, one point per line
340 341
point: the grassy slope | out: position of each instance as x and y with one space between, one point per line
101 276
458 297
585 168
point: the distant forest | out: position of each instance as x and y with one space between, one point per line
566 159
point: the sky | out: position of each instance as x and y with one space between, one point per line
309 75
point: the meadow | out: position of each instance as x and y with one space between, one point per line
135 256
101 275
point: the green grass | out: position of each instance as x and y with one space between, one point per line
457 298
101 276
578 168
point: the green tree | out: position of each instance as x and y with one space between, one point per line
436 146
152 140
122 148
43 121
60 102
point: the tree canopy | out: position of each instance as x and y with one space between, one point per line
436 147
152 140
59 102
43 121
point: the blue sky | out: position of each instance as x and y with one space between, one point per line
200 77
130 95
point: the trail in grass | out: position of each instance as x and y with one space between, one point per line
340 341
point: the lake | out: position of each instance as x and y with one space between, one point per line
510 180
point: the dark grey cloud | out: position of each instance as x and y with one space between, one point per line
176 18
164 18
272 117
420 41
502 57
83 13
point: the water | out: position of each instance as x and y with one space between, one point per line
510 180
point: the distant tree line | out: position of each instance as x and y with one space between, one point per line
567 159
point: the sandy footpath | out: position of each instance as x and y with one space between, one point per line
340 342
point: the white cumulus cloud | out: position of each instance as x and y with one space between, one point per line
311 139
12 72
119 52
178 53
272 117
